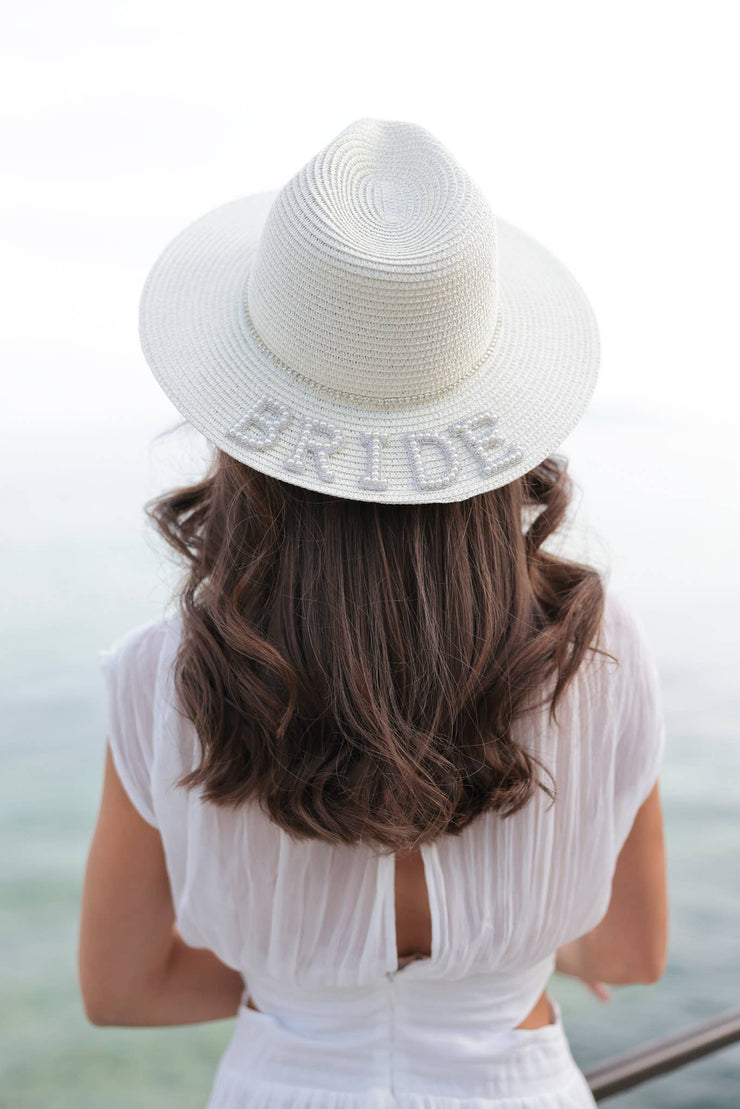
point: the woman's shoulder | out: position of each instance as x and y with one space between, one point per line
138 650
619 649
623 631
618 611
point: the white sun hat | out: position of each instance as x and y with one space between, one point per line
372 330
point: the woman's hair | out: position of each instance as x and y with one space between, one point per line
357 667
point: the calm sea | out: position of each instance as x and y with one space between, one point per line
655 504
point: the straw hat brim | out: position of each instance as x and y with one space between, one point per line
538 379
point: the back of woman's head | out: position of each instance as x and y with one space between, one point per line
356 667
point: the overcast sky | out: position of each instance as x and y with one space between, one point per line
609 132
606 131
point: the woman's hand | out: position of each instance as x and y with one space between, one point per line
567 961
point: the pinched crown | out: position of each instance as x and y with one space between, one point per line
376 271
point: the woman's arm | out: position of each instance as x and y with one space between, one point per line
134 967
629 945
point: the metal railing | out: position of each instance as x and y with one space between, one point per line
623 1072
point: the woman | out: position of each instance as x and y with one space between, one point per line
389 762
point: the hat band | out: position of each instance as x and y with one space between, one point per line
389 402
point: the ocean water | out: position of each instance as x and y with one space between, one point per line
655 505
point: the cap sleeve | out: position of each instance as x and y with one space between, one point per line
641 730
129 668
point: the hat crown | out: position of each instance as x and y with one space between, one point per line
376 271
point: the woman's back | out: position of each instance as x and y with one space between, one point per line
312 925
369 607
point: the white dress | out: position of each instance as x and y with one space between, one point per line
311 926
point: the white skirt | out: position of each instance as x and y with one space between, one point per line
267 1066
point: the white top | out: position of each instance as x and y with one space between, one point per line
311 926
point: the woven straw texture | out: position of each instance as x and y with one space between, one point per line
371 329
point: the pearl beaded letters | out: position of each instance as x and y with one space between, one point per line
414 441
426 450
479 444
321 439
372 441
259 418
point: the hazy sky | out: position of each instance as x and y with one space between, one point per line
607 131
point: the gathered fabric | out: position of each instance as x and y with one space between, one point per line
311 925
394 1051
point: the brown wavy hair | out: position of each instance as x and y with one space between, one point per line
356 667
